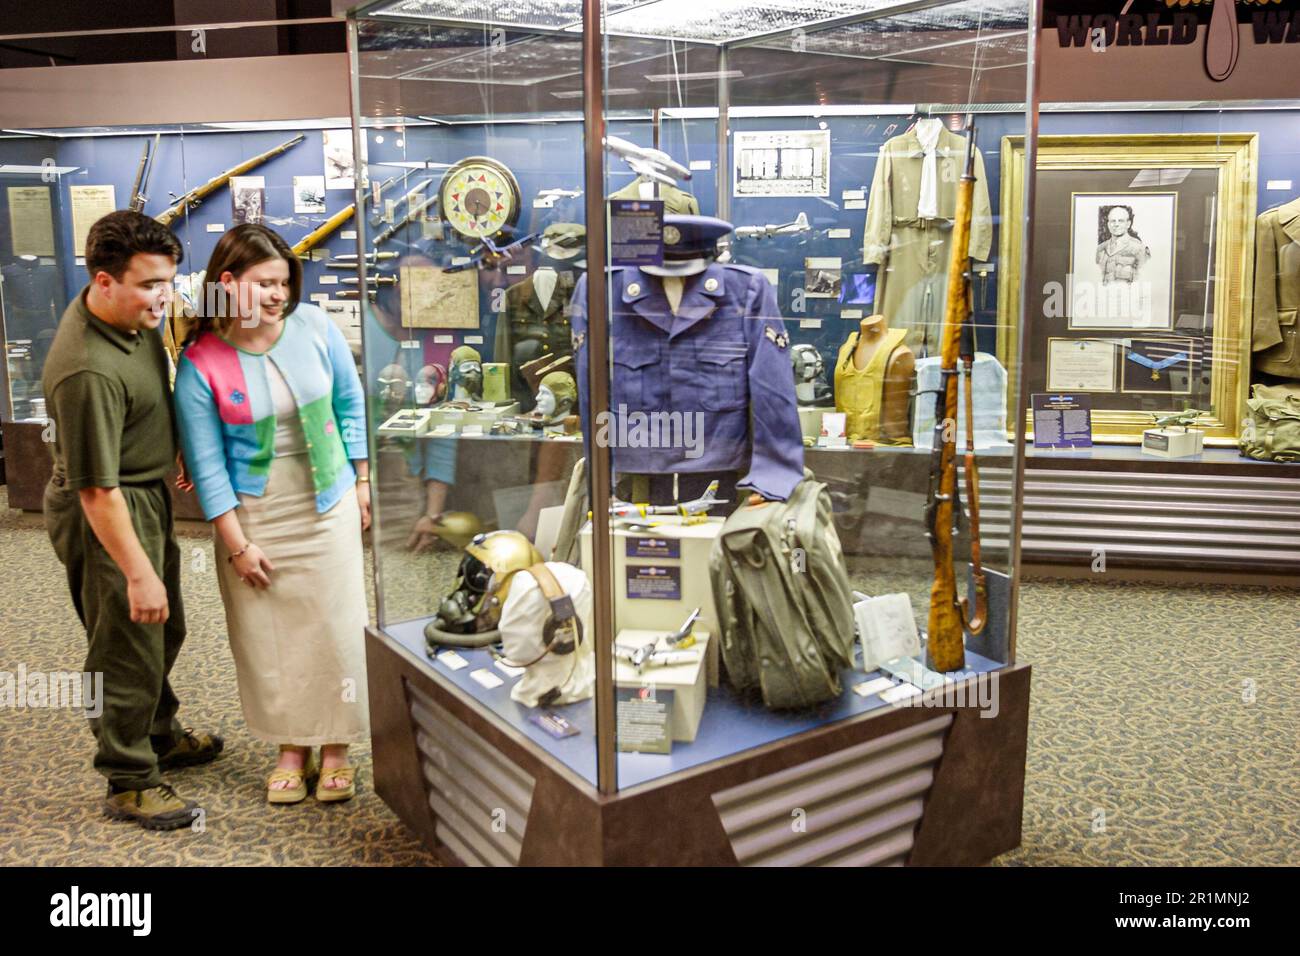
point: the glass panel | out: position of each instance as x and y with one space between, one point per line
474 245
803 330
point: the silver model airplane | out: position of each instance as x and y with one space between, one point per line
650 654
547 198
699 506
650 163
798 225
1186 418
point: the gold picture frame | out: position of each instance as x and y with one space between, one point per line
1158 159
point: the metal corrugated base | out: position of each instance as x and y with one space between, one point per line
1148 519
855 807
480 799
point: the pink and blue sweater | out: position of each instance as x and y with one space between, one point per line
227 418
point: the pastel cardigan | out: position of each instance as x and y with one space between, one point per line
227 416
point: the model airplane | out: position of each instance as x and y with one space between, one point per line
547 198
798 225
650 655
492 254
687 509
1186 418
650 163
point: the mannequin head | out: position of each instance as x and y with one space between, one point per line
466 374
556 396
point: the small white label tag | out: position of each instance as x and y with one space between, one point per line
1282 184
453 660
410 343
473 340
810 323
867 688
506 669
329 280
850 313
47 261
348 234
472 430
773 276
216 227
81 260
443 339
849 194
838 233
460 261
701 164
516 270
901 692
319 297
855 204
486 678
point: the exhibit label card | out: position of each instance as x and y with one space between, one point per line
89 203
31 220
636 232
654 581
1062 420
654 548
1080 365
644 719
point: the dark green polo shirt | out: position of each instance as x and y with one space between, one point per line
109 396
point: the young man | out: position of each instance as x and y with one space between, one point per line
109 514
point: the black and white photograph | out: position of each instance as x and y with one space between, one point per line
822 277
1122 260
308 194
247 199
783 163
340 168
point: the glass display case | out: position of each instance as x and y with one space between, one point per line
202 178
662 335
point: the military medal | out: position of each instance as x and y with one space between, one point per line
479 197
1156 367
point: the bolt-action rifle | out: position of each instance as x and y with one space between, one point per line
199 193
950 614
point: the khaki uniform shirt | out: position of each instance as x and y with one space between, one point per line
1277 291
108 396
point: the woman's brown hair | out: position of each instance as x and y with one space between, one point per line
241 248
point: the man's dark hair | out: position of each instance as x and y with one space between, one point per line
115 238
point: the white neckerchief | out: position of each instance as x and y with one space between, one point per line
544 285
927 204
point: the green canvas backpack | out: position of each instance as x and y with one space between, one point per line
785 610
1271 430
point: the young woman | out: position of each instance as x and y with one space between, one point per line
272 424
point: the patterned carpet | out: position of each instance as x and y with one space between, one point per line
1163 730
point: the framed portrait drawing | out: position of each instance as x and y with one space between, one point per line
1121 260
1142 247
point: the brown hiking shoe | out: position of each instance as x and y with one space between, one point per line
191 749
158 808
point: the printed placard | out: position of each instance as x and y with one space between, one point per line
654 582
662 548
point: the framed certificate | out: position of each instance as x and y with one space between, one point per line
1080 365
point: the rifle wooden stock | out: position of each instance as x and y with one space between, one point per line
314 238
946 651
199 193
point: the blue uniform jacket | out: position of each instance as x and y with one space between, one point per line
724 355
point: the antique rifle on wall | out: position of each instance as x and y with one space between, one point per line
951 615
142 174
199 193
314 238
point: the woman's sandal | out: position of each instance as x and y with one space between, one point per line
300 782
334 794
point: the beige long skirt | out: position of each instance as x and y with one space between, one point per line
299 645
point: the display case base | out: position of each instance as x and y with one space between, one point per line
932 785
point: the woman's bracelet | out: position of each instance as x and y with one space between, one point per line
239 553
365 478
